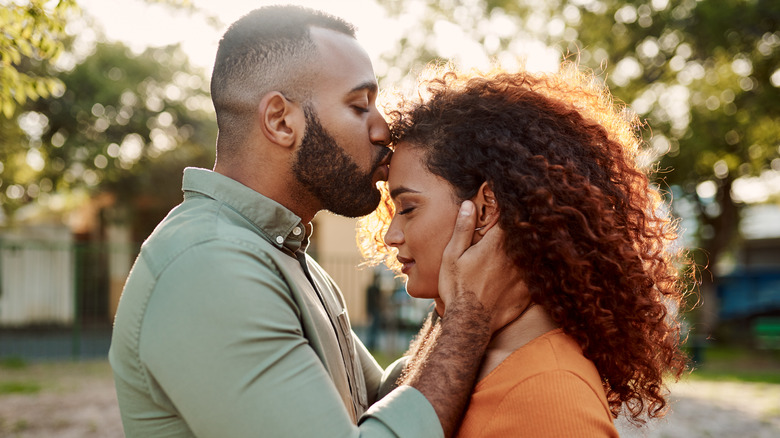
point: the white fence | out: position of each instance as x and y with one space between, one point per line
36 277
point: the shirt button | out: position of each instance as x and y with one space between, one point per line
279 240
296 231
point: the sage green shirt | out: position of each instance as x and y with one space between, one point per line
226 328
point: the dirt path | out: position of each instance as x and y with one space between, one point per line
77 400
716 409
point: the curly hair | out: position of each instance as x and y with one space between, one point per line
581 218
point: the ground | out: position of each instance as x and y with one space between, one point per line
62 400
77 400
703 408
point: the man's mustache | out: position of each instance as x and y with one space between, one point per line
383 158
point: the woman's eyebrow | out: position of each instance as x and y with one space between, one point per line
398 191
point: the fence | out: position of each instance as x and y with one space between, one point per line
58 298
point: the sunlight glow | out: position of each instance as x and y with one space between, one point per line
141 25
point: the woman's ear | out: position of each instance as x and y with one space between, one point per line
281 120
487 209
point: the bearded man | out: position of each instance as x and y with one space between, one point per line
226 327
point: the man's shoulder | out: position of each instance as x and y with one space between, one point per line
206 226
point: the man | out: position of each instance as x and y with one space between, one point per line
226 328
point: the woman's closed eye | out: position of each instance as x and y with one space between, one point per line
406 210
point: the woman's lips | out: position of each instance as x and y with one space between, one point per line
406 264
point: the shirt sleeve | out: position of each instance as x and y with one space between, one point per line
551 405
372 372
226 348
391 376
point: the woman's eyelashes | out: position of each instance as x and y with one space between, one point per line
406 210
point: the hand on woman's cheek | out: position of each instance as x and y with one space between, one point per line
481 276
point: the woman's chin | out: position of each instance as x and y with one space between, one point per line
422 294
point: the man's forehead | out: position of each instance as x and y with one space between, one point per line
342 57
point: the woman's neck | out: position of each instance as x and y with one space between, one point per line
532 323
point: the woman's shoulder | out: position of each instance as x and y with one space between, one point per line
551 404
552 351
545 388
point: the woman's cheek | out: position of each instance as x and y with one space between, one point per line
424 283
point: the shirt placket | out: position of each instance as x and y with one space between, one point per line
340 322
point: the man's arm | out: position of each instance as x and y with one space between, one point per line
226 346
471 280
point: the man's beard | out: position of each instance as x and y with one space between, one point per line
324 169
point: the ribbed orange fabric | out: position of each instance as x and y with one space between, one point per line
547 388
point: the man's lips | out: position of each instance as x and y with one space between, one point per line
406 264
381 173
386 160
383 167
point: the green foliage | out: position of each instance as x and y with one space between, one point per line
737 364
19 388
126 125
705 75
13 363
736 375
700 72
36 31
118 123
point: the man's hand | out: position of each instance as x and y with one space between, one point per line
480 278
481 291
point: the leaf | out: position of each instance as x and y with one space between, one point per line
31 90
8 109
16 57
43 89
19 93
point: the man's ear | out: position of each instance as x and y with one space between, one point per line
281 120
487 208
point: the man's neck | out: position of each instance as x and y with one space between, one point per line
273 183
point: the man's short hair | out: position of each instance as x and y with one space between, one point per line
268 49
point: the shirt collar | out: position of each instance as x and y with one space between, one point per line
276 223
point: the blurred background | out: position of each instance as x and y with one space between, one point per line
102 105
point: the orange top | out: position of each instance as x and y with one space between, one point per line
546 388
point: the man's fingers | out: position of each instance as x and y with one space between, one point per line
464 230
493 238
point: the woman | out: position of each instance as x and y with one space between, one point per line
549 162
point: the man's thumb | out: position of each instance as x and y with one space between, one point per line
463 233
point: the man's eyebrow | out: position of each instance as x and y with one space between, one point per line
371 86
398 191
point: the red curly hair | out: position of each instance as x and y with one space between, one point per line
581 217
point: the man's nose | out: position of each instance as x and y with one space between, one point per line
379 132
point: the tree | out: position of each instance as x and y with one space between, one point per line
126 125
50 148
704 74
33 31
36 30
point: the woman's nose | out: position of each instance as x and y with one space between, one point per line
394 236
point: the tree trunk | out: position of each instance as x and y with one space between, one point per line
725 230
